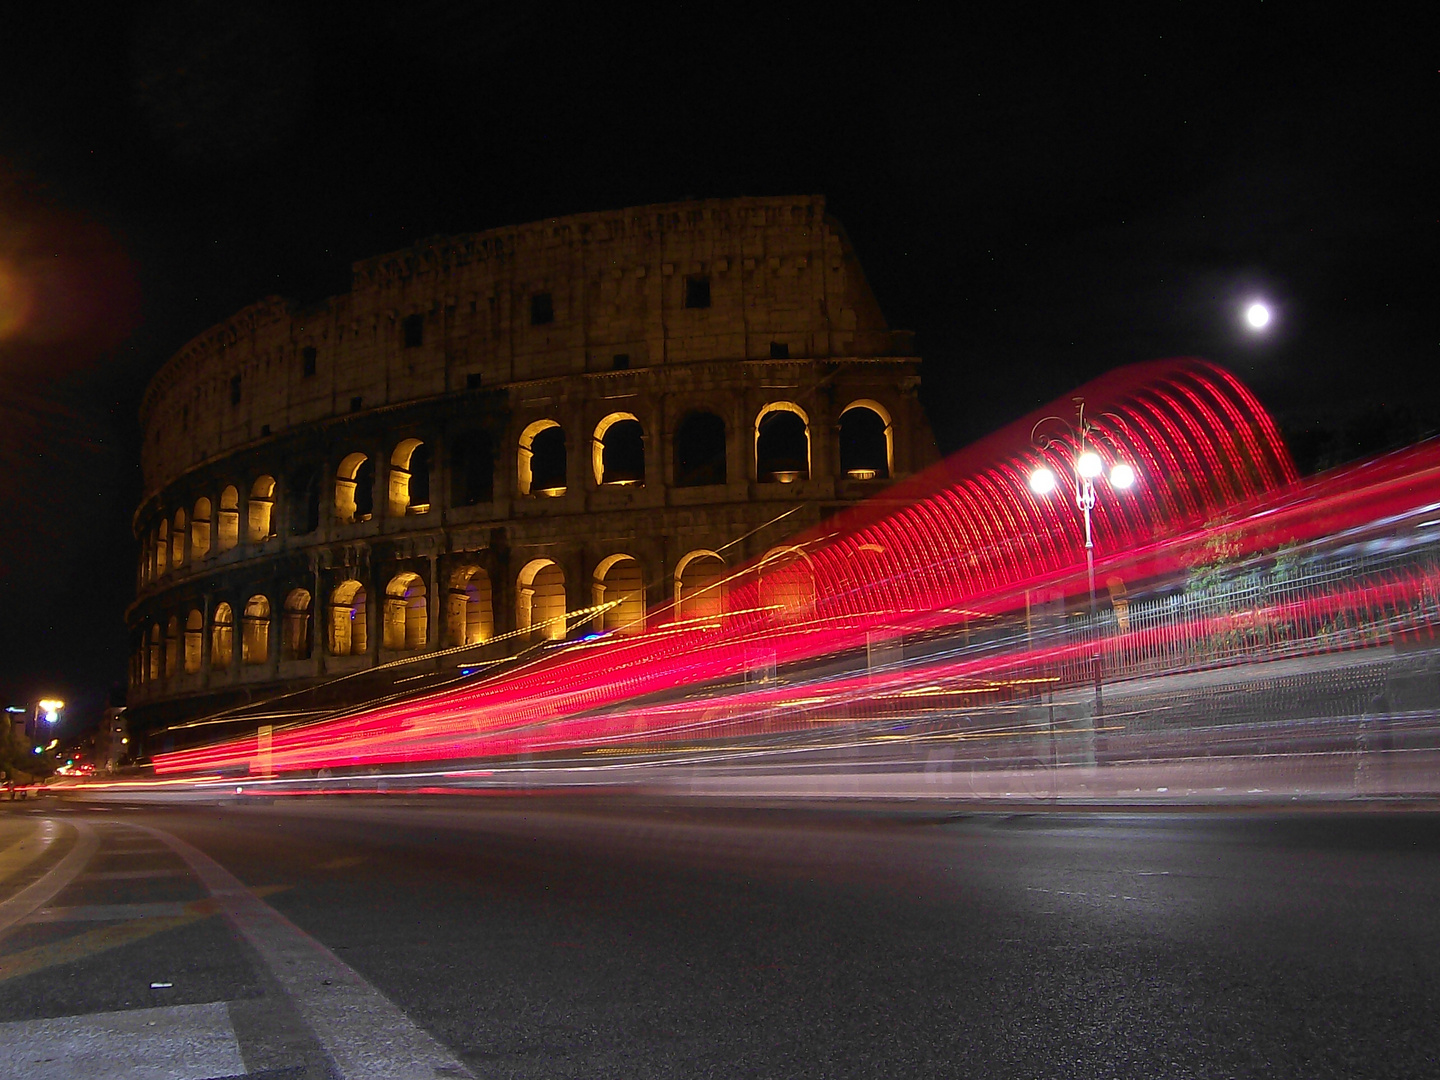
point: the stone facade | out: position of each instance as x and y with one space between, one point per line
492 430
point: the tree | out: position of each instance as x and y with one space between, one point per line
20 763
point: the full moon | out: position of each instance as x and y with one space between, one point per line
1257 315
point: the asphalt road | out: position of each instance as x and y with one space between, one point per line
525 938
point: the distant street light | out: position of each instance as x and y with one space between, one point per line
1088 467
1258 315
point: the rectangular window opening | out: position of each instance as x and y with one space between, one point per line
413 327
697 292
355 404
235 390
779 350
622 361
542 309
473 381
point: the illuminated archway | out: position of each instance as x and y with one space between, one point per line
255 631
222 636
157 653
540 599
229 519
200 529
700 586
295 631
177 541
261 509
354 489
540 460
617 450
162 549
410 478
348 629
787 584
619 580
782 443
194 640
469 618
407 615
867 441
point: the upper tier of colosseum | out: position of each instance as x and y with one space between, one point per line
749 278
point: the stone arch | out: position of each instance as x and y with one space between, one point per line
469 611
157 653
162 548
228 519
787 584
354 489
410 478
540 461
261 509
295 630
349 634
406 612
540 599
620 578
617 450
177 541
700 450
172 647
194 640
255 632
700 585
782 443
200 529
867 441
222 636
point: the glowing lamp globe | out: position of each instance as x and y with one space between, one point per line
1257 315
1042 481
1122 476
1088 465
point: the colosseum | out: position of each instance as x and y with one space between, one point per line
505 438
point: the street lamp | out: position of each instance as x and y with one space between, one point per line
1088 467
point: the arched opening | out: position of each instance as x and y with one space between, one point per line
406 613
410 478
194 640
261 509
348 634
469 617
303 503
162 549
618 450
867 450
619 581
541 459
177 541
354 489
787 585
295 631
700 450
472 470
700 586
540 599
229 519
200 529
255 634
172 647
782 444
222 636
157 653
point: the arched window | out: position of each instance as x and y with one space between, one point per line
172 647
255 638
541 459
348 634
620 581
472 470
147 550
700 586
618 450
787 585
200 529
469 618
261 509
700 450
222 636
354 489
302 497
157 653
194 639
867 448
540 599
177 541
782 443
406 614
229 520
295 632
410 478
162 548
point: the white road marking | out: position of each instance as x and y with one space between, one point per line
39 893
131 875
365 1034
178 1042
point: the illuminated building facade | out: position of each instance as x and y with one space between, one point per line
504 437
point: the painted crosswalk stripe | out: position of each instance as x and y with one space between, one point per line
39 893
178 1042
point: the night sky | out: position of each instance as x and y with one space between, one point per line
1040 199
